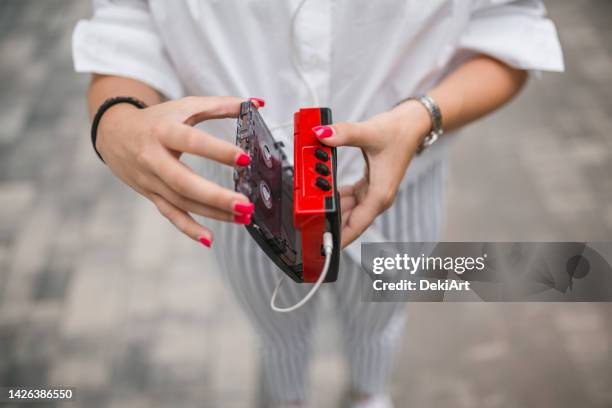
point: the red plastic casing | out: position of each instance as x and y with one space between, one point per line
309 213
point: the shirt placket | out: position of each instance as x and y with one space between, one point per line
313 39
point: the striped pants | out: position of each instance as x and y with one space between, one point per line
371 331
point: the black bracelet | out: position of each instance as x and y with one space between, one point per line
106 106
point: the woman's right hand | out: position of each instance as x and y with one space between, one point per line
143 147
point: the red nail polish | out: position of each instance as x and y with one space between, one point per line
244 208
207 242
243 159
243 219
323 131
258 101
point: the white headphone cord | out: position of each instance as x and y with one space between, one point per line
328 246
295 59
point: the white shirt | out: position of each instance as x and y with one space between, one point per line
358 57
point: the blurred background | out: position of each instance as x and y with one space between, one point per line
99 292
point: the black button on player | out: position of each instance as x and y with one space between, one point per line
323 184
321 155
322 169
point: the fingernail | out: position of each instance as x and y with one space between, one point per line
207 242
258 101
323 131
244 208
243 159
243 219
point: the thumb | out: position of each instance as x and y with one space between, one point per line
343 134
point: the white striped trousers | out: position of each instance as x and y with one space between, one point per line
371 331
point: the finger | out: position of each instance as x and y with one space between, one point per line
258 102
361 217
160 188
347 203
358 134
183 221
200 108
347 190
187 139
345 217
188 184
361 189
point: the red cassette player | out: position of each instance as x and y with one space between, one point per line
316 202
297 208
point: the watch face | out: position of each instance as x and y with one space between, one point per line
268 182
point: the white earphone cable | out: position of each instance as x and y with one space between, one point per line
327 237
328 246
295 58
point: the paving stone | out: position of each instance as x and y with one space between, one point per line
15 200
51 285
95 302
82 372
13 117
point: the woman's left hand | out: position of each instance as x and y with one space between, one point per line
388 142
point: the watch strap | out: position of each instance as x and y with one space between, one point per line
436 120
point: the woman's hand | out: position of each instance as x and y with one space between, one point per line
388 142
143 146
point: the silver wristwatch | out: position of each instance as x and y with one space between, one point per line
436 120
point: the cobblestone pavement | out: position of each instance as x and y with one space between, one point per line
98 292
